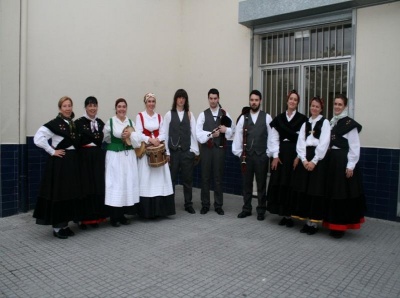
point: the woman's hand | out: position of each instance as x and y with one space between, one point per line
59 153
295 163
349 173
275 162
155 141
310 166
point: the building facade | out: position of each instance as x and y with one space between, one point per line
125 48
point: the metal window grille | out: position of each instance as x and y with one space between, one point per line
314 61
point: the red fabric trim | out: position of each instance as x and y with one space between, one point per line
94 221
146 132
343 227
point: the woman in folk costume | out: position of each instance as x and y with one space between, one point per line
282 146
60 197
122 179
155 185
308 179
92 164
345 195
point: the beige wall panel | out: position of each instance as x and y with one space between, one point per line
105 48
377 104
217 54
9 71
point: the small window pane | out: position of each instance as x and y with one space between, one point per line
269 50
339 41
320 41
332 45
347 39
326 42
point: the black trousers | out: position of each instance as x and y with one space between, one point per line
256 165
212 165
182 162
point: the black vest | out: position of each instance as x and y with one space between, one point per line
179 133
288 130
210 123
86 135
317 128
342 127
257 134
59 127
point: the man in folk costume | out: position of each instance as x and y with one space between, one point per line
250 145
214 126
182 147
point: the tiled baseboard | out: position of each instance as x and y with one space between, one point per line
22 167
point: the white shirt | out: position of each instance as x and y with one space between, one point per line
202 135
237 145
321 144
354 148
150 123
42 137
194 146
274 144
118 128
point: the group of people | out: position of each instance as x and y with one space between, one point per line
314 173
85 184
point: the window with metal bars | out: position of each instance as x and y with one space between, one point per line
314 61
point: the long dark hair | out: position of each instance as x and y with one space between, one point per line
181 93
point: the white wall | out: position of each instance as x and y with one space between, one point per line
105 48
216 55
9 71
377 102
122 48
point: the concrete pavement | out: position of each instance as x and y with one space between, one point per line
198 256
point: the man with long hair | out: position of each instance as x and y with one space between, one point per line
181 144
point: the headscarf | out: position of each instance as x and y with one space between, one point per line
149 95
336 118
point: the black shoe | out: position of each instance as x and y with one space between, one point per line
68 231
289 223
305 228
336 234
244 214
203 210
283 221
115 223
61 234
260 216
82 226
124 221
190 210
312 230
219 211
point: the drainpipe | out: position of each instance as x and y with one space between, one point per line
22 150
251 58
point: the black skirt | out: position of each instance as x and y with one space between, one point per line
160 206
278 194
308 190
345 205
60 195
92 172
